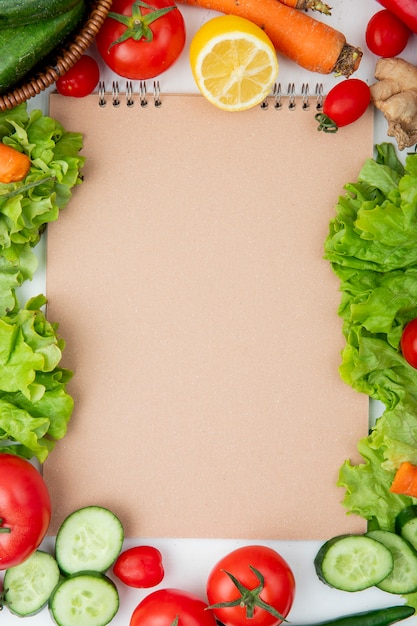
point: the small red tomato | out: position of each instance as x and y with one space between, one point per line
81 78
140 567
409 343
386 35
345 103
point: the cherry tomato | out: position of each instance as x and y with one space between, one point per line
140 566
81 78
138 42
409 343
345 103
261 570
163 607
25 510
386 35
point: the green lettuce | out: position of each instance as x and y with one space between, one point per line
35 406
372 248
26 207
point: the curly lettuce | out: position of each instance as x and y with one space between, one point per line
372 248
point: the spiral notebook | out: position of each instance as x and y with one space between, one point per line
187 278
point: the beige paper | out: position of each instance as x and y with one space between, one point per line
201 322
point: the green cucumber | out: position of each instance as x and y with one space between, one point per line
20 12
353 562
28 586
403 578
89 539
374 617
84 599
406 524
23 47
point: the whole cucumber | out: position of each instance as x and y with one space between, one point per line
18 12
23 47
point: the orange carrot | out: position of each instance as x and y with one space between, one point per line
312 44
14 165
304 5
405 480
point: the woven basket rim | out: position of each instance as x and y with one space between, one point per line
64 57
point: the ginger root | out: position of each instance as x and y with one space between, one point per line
395 94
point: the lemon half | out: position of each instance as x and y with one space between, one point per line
234 63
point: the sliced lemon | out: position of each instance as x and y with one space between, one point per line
234 63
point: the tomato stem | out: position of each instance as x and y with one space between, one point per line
138 24
325 123
3 529
249 598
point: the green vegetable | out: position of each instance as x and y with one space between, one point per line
403 578
27 206
353 562
34 405
375 617
23 47
28 586
20 12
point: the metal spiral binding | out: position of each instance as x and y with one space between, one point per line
130 96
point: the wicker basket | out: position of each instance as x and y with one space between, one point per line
61 60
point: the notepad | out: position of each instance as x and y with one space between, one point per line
200 319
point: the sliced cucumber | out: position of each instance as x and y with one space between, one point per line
28 586
353 562
84 599
90 539
406 524
403 578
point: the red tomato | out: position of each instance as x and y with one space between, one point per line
25 510
258 569
345 103
386 35
163 607
140 566
409 343
81 78
139 43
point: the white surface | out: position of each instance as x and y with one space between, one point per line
187 562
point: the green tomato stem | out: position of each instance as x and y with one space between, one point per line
138 24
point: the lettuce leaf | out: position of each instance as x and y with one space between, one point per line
34 405
372 248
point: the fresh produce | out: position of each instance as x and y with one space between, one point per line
20 12
81 79
386 35
140 566
403 577
34 404
345 103
372 249
89 539
27 206
173 607
353 562
252 584
313 45
140 40
395 95
29 586
406 10
376 617
305 5
233 63
22 47
14 165
87 598
405 480
409 343
406 524
25 509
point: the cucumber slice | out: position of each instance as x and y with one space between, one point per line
84 599
29 585
89 539
406 524
353 562
403 578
